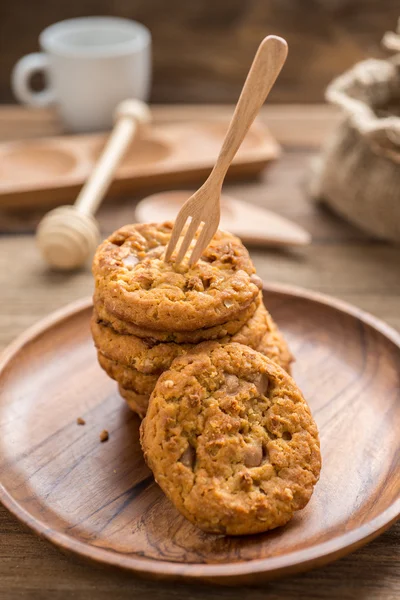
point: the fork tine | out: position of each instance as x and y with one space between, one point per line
187 239
203 240
176 232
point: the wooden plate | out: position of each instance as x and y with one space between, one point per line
98 500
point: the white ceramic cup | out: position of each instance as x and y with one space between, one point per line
90 65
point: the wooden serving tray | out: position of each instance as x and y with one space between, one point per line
50 171
100 501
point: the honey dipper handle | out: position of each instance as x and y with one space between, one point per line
129 115
267 64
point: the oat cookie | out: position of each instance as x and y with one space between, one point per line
271 344
180 337
130 379
150 356
134 282
274 346
136 402
231 440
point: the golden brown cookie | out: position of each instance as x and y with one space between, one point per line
231 440
134 282
136 402
274 346
271 344
151 356
142 385
129 379
179 337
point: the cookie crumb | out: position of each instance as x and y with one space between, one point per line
104 435
80 421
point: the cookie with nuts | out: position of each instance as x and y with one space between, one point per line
128 378
151 356
203 334
134 282
136 386
231 440
138 403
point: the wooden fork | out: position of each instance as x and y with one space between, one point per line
204 205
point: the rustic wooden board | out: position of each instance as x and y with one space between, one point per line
280 188
341 261
100 501
299 125
50 171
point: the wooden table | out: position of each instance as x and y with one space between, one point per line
341 261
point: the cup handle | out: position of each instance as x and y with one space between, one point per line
23 70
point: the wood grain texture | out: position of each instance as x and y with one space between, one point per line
101 502
202 50
296 124
341 261
299 128
166 154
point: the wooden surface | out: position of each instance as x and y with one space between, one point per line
167 153
341 261
202 49
101 502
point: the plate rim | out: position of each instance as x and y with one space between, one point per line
293 562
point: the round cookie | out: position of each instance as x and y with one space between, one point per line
142 385
134 282
136 402
129 379
149 356
179 337
231 440
273 345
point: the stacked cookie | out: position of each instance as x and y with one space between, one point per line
231 440
227 433
147 312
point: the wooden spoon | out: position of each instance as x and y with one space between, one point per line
253 224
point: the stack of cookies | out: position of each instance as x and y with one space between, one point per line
231 440
148 313
226 431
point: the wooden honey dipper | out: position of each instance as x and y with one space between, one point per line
68 235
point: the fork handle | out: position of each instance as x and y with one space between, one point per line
267 64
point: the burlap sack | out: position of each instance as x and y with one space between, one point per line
358 173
